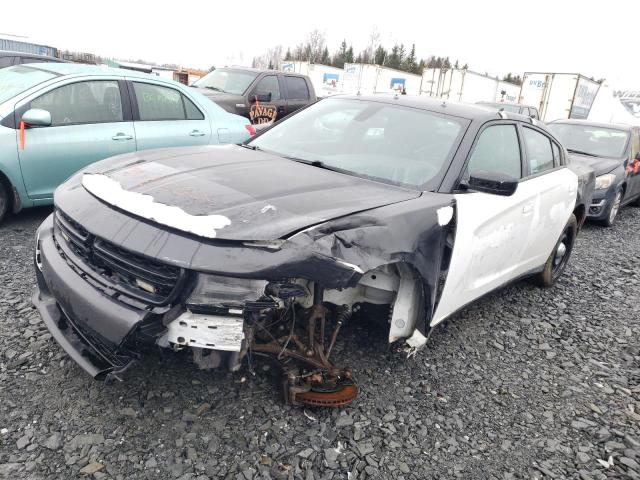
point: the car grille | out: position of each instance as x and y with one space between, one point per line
134 275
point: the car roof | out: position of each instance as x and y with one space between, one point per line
447 107
574 121
515 104
78 69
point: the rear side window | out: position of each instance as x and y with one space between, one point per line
538 151
497 150
82 102
162 103
557 159
296 88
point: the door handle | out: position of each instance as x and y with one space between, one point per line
122 136
527 209
280 109
197 133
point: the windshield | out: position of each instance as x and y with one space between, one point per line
227 81
597 141
390 143
18 79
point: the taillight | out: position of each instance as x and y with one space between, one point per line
251 129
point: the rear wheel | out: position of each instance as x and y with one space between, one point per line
4 200
557 261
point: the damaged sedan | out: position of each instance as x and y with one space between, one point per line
391 209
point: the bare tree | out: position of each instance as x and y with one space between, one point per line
314 47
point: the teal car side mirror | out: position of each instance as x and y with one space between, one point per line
36 117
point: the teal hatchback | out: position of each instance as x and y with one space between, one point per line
58 118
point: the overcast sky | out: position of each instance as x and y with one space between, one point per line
599 39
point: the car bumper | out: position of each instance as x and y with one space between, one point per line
602 199
71 308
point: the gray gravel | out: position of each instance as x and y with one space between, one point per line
527 383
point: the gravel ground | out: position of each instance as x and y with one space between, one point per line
526 383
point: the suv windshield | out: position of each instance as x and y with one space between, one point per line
227 81
18 79
389 143
597 141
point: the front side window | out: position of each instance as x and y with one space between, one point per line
497 150
384 142
591 140
268 85
296 88
17 79
539 151
156 102
82 102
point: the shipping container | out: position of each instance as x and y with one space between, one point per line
558 95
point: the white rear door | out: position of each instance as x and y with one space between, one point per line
499 238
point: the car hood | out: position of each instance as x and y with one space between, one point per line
600 165
226 100
230 192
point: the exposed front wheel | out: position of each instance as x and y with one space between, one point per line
557 261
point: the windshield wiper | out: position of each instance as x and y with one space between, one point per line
216 89
580 152
250 147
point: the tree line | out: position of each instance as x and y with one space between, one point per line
314 49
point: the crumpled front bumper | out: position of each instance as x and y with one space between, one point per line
87 324
599 208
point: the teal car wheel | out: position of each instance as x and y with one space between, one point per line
4 201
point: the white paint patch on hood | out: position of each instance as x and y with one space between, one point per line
143 205
445 214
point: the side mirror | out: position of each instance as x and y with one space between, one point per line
261 97
36 117
638 156
495 183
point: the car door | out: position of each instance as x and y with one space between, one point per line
296 91
556 187
90 121
492 231
264 113
165 117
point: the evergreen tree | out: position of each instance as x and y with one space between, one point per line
380 56
348 56
287 56
410 64
326 58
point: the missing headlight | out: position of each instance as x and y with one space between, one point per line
214 291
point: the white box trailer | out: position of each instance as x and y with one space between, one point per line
558 95
462 85
371 79
326 80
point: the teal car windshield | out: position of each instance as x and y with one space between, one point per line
389 143
18 79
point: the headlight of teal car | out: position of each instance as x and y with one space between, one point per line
604 181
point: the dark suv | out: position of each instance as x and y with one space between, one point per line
263 96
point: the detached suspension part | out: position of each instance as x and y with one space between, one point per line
315 381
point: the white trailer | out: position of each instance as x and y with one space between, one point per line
371 79
462 85
326 80
558 95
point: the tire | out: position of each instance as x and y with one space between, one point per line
612 211
4 200
556 264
